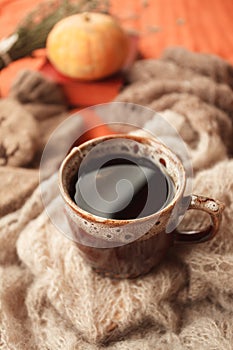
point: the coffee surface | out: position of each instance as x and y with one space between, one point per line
122 188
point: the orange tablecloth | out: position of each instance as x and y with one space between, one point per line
199 25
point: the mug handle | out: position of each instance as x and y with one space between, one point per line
214 208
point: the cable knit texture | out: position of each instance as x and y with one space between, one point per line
51 300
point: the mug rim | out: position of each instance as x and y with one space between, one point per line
98 219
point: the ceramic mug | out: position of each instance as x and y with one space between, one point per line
130 248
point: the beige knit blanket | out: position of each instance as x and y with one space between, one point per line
49 298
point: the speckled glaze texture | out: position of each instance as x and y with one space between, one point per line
129 248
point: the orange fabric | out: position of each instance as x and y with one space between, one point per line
84 93
7 75
200 25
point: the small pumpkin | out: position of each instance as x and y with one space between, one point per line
87 46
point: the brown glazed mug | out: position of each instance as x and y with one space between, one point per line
129 248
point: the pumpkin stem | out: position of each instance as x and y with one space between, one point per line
86 16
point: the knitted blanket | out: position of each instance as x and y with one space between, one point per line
49 298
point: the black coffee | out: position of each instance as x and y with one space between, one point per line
122 188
